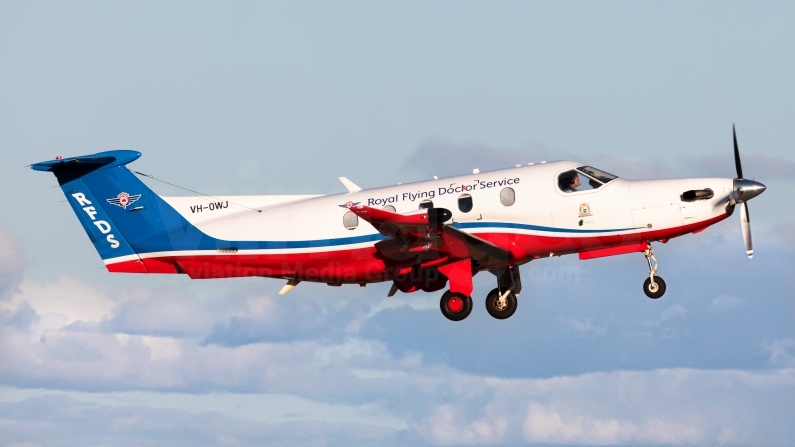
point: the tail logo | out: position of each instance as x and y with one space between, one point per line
124 200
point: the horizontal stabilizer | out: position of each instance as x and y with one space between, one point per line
71 168
118 158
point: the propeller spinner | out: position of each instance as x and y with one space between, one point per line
744 190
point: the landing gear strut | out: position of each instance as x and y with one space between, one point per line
501 302
654 286
455 306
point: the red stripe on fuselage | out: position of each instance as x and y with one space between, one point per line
364 265
133 266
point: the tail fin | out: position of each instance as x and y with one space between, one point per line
121 215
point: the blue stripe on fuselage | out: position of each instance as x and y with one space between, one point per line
463 225
205 242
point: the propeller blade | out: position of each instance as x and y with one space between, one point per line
737 163
745 224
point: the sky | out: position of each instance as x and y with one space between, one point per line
283 98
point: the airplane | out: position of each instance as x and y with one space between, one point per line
424 236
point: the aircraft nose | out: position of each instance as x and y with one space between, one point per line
747 189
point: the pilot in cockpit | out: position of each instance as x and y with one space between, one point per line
570 184
570 181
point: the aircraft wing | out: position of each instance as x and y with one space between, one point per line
483 252
390 224
425 232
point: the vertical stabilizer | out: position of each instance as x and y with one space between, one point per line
109 202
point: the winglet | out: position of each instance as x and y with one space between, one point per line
289 286
350 185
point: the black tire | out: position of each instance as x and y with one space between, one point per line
492 305
455 306
656 293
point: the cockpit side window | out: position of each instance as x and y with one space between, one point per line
602 176
574 181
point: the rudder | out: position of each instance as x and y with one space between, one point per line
86 181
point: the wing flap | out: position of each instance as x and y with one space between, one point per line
483 252
389 223
425 231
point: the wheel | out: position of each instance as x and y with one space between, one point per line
655 291
500 310
455 306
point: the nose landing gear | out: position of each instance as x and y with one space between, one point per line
654 286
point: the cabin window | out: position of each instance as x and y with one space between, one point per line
350 220
426 204
389 208
507 196
465 203
575 181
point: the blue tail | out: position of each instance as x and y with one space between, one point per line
121 215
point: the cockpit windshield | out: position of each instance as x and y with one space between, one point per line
583 178
602 176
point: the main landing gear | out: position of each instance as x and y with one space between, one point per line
455 306
500 303
654 286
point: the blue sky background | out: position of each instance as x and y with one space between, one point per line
258 98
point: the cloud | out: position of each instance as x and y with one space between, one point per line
725 302
68 332
667 406
166 311
254 317
544 425
66 419
68 300
356 389
12 264
782 352
585 326
690 368
444 428
672 407
671 312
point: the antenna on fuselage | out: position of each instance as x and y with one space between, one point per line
190 190
350 185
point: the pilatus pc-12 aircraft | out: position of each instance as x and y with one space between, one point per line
421 236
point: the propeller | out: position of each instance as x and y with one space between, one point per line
744 190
